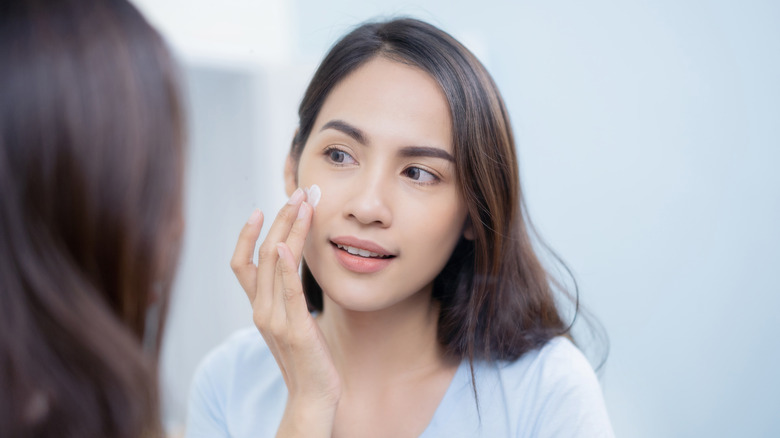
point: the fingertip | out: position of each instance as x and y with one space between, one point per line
297 196
255 217
303 210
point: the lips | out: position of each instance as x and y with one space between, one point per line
361 252
362 245
361 256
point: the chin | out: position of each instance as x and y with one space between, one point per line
359 298
357 301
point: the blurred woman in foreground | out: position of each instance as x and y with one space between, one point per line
91 164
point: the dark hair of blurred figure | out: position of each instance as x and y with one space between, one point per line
91 164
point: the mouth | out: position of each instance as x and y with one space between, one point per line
362 252
361 256
361 247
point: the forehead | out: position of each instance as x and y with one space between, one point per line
392 102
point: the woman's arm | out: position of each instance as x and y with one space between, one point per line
281 315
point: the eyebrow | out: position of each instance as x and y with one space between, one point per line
408 151
346 128
426 151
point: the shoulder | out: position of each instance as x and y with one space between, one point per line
560 393
242 357
239 373
245 345
548 392
558 363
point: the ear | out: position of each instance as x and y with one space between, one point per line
290 175
468 229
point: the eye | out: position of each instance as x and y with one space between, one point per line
337 156
420 175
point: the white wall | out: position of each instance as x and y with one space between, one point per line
649 139
235 31
242 88
236 154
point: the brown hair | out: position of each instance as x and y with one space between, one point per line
91 167
497 299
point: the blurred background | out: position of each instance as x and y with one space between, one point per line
649 139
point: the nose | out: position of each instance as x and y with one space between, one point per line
370 200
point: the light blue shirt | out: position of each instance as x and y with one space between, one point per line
239 392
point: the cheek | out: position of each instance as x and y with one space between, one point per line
324 212
439 226
324 194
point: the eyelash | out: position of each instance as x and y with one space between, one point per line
331 149
435 179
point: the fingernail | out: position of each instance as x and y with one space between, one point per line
302 210
296 197
255 216
279 250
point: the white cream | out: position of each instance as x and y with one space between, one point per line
313 195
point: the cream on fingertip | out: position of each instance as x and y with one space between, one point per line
313 195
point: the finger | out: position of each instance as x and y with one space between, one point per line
299 231
292 290
267 254
287 215
296 237
241 262
278 315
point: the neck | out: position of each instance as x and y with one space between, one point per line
394 343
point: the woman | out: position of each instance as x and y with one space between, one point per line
91 163
431 313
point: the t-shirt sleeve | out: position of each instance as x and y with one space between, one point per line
205 410
572 404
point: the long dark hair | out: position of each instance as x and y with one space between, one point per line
497 299
91 164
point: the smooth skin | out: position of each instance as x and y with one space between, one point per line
370 363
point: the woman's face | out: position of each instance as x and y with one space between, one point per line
381 153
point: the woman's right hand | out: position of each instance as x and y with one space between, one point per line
280 313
